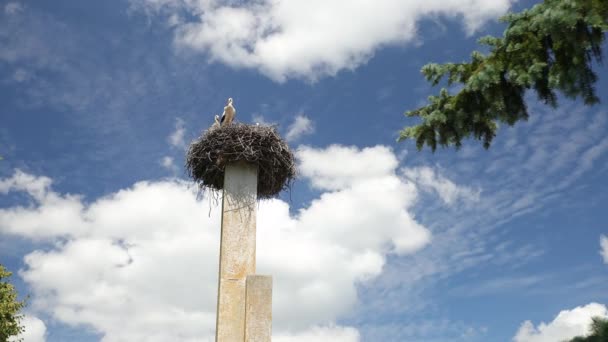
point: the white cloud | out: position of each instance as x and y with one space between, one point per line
35 330
447 190
176 139
58 213
321 334
465 237
13 8
309 38
497 285
37 187
169 164
300 127
174 20
604 246
260 119
568 324
128 252
338 167
21 75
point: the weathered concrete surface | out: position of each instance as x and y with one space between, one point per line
258 303
237 249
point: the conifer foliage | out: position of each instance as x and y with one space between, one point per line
550 47
599 332
10 318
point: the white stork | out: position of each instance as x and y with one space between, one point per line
216 122
228 114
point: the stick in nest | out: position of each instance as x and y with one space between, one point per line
207 157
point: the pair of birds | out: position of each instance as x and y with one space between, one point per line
227 115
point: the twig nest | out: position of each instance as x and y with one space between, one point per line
208 156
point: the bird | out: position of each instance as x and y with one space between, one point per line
216 122
228 114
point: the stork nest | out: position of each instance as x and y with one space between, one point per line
208 156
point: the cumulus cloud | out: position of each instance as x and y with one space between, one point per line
308 38
322 334
447 190
568 324
54 217
604 248
337 166
20 181
35 330
142 262
300 127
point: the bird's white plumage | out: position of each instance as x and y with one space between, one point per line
216 122
229 113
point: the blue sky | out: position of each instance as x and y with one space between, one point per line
104 232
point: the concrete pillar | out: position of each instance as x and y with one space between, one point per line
258 303
237 249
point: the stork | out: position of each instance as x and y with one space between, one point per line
216 122
228 114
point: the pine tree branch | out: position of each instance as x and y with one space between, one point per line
550 47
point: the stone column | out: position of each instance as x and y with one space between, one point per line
258 309
237 249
